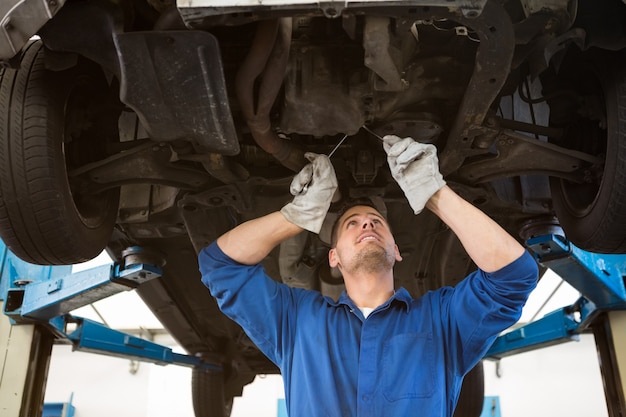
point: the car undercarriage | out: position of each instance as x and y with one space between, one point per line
160 125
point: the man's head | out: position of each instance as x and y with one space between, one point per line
363 201
361 239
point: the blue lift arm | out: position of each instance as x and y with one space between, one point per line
600 279
44 300
91 336
45 295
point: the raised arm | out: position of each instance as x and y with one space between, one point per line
489 246
253 240
415 167
312 188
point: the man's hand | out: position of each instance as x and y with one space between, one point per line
313 190
415 168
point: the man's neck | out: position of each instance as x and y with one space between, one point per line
369 290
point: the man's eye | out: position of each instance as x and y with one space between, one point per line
376 221
351 223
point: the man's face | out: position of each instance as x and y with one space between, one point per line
364 242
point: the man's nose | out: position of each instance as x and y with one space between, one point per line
368 224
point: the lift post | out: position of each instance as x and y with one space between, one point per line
24 350
36 301
601 280
24 360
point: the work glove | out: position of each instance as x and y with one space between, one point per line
313 189
415 168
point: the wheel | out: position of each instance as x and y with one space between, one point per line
207 390
592 213
472 394
52 122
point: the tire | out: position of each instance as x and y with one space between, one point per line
593 214
472 394
50 123
207 390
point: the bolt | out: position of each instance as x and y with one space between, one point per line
545 248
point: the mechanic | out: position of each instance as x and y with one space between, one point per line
376 351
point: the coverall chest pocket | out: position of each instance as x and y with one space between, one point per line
408 367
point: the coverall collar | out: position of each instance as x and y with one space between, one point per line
400 295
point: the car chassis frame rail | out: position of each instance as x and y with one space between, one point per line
601 309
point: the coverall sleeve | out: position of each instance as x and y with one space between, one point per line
483 305
260 305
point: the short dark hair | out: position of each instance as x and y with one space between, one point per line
347 205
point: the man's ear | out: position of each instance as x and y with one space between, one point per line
332 258
398 256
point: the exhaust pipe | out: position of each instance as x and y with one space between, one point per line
267 59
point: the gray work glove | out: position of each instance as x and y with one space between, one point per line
313 188
415 168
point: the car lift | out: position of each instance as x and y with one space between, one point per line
601 309
36 301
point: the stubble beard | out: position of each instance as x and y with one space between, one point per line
372 258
